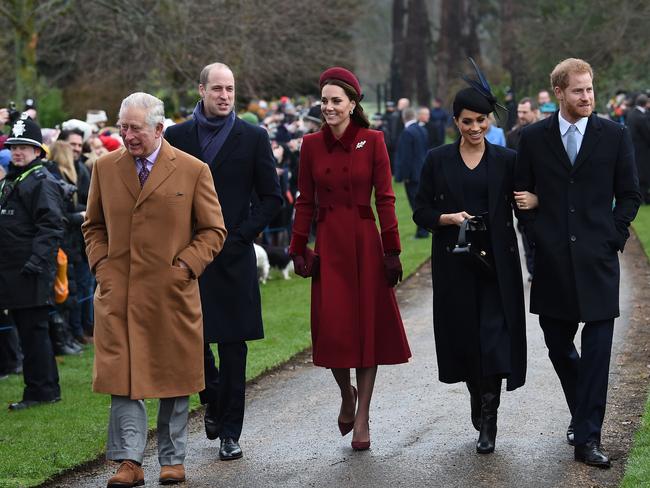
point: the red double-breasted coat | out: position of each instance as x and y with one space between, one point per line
355 321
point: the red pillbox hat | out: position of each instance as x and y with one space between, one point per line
341 74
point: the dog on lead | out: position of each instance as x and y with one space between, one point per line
272 257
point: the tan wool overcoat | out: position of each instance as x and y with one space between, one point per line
148 323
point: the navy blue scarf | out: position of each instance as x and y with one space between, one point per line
213 132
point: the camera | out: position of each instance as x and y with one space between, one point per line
14 114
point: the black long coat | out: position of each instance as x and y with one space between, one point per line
230 295
441 192
31 229
576 231
639 125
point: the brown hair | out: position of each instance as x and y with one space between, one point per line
533 103
560 74
358 116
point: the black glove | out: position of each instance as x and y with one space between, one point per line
31 269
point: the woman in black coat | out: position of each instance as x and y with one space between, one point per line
478 313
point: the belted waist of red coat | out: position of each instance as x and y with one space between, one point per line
365 211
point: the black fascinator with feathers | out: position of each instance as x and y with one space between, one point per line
478 97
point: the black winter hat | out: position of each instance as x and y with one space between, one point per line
26 132
314 114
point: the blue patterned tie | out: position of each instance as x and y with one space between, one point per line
144 171
572 143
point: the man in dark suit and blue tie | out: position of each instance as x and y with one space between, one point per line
411 151
578 164
240 158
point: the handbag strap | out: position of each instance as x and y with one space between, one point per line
462 234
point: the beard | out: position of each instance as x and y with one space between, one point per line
577 112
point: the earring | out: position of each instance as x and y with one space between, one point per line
351 112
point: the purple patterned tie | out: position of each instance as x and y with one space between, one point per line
144 171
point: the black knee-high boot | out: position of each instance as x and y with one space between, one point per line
490 399
474 388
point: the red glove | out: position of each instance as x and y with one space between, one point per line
393 269
307 265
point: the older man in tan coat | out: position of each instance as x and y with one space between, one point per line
153 224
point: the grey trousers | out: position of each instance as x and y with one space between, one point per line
127 430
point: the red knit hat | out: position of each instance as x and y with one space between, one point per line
110 143
341 74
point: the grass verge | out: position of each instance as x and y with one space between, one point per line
39 443
637 470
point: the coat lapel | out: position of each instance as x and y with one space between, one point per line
229 145
589 141
554 140
162 168
126 165
495 174
451 167
192 134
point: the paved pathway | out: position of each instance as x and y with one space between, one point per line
420 428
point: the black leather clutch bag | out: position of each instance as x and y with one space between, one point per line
473 244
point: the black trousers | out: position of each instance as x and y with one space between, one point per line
583 376
9 349
39 366
81 319
225 387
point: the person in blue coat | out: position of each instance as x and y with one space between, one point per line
411 152
240 157
495 134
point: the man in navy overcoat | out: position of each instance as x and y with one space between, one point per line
239 155
582 169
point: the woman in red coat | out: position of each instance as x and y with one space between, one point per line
355 320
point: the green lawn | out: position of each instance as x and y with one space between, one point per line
637 471
39 443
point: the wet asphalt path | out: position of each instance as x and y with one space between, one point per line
420 428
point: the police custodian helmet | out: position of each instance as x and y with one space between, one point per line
25 132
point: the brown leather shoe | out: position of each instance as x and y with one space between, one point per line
128 474
172 474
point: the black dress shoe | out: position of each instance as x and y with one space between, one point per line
591 455
570 436
22 405
211 424
229 449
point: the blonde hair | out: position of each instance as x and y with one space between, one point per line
560 74
62 155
